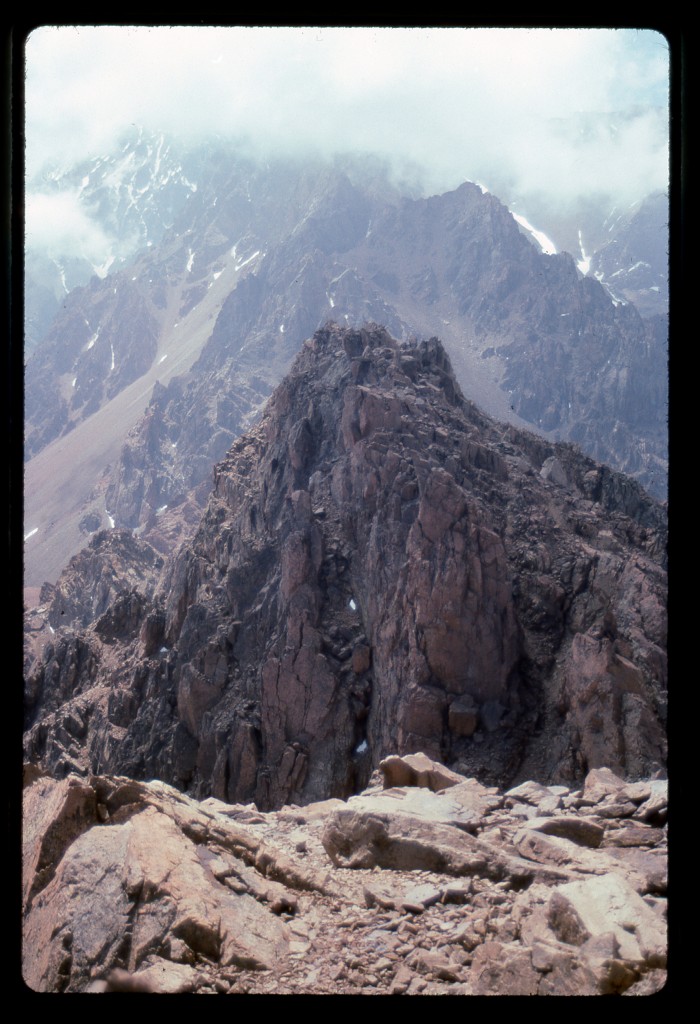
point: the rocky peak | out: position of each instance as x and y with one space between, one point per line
380 568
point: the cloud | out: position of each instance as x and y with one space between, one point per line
56 223
462 103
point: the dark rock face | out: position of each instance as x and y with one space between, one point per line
380 568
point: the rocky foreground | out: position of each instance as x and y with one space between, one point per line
426 883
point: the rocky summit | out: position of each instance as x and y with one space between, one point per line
381 569
427 883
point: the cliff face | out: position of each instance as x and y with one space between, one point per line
380 568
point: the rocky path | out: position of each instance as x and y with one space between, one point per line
427 883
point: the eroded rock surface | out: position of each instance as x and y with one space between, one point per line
132 886
380 568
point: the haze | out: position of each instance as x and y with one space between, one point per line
558 112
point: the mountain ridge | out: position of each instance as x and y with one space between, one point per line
231 302
381 567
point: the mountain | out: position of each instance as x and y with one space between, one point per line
252 258
381 568
633 263
122 202
625 249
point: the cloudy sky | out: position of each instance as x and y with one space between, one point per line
564 111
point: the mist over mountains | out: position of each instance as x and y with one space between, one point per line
211 270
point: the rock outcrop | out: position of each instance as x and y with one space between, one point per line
464 890
381 568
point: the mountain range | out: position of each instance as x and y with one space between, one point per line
380 568
345 586
221 266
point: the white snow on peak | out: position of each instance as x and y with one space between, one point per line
51 628
281 328
190 261
72 383
111 520
162 358
160 146
102 269
360 749
161 509
112 348
92 340
351 605
483 188
31 533
216 274
584 264
546 244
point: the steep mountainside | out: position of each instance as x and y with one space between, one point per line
255 259
380 568
633 262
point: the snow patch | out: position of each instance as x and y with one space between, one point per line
161 509
112 348
31 533
546 244
239 266
162 358
584 264
190 261
111 521
72 383
360 749
351 605
281 328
